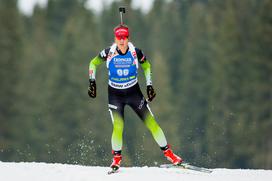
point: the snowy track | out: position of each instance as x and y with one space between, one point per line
63 172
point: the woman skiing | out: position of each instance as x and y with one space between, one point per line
123 59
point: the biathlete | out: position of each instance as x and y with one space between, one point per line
123 59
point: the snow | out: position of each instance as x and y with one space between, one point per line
64 172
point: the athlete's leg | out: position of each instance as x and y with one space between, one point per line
116 108
144 112
140 106
117 117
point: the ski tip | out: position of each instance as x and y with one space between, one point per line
111 172
114 169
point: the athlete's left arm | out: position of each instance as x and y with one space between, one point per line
147 71
145 65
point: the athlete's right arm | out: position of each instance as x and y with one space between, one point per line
93 65
100 58
92 70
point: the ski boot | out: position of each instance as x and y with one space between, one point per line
174 159
116 161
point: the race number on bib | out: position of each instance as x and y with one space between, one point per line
122 72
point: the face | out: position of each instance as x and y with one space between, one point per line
122 42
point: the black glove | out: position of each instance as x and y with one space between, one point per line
92 88
150 93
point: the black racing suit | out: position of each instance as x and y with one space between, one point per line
133 97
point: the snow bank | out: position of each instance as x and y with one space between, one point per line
64 172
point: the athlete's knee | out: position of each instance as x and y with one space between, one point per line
118 122
118 125
151 123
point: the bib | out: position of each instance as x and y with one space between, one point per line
122 69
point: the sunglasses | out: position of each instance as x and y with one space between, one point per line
121 37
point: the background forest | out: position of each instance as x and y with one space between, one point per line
212 71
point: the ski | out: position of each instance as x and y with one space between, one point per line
113 170
187 166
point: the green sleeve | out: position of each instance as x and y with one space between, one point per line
93 64
147 72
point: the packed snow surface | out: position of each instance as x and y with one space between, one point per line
65 172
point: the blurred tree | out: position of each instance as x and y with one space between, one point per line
225 82
257 91
72 106
10 55
195 85
39 57
229 100
58 11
